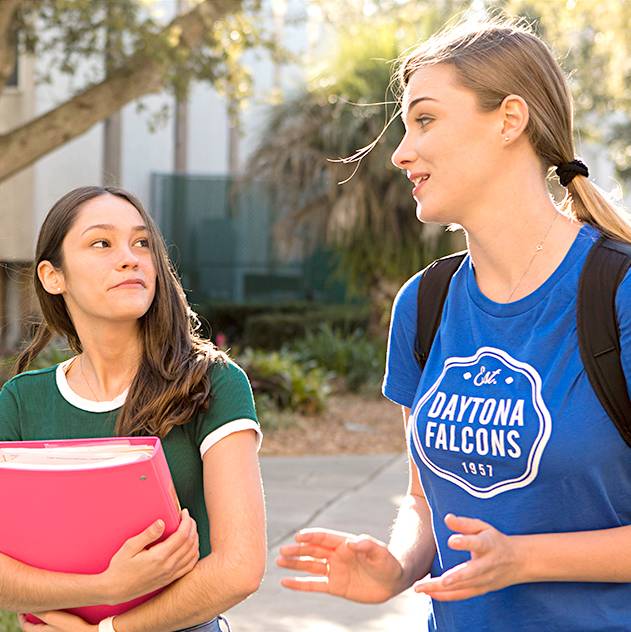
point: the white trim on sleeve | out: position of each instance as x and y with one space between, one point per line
232 426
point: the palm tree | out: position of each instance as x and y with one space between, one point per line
369 218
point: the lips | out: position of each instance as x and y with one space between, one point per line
131 283
417 178
419 181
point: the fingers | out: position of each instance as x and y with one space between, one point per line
178 538
327 538
304 565
306 584
29 627
465 525
472 543
139 542
304 550
365 544
452 595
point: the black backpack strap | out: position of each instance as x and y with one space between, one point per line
598 333
432 292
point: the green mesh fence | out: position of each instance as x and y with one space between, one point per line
220 236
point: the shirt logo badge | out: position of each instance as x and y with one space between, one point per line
483 425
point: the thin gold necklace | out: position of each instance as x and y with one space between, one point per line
538 249
85 379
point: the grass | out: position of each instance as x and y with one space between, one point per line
8 622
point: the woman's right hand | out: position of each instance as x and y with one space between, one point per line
135 570
359 568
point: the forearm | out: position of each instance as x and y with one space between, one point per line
586 556
214 585
412 540
24 588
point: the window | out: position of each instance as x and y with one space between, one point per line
13 78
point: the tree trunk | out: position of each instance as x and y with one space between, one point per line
139 75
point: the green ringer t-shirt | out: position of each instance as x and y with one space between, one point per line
39 405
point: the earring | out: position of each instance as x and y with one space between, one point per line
506 138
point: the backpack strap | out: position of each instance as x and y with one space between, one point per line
598 335
431 295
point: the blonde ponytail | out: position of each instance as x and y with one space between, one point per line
587 203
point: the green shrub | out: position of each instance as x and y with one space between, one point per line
9 622
273 331
258 325
50 356
357 359
231 318
284 382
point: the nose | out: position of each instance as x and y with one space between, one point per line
128 259
404 155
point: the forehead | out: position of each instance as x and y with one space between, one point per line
107 209
436 82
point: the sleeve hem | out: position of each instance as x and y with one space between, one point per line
229 428
399 396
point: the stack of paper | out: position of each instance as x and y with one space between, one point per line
54 457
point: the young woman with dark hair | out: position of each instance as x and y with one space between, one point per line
105 283
519 499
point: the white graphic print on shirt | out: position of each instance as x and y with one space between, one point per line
483 425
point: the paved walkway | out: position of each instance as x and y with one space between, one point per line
350 493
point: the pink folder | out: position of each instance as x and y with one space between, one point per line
74 520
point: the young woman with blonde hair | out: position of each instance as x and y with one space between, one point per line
105 283
519 498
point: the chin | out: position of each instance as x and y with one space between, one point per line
130 313
426 215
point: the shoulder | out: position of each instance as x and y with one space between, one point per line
30 380
405 301
225 372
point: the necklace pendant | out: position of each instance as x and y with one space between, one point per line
539 247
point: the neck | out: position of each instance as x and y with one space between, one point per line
503 242
110 358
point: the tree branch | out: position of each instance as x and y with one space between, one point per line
138 75
8 10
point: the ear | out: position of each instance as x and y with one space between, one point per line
514 117
51 278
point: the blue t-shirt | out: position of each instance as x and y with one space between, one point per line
505 427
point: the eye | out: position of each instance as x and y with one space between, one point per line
143 242
423 121
97 243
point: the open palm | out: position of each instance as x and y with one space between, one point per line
359 568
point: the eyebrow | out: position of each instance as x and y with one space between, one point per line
111 227
418 100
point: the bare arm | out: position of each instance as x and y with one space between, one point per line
133 571
412 538
234 569
24 588
499 560
587 556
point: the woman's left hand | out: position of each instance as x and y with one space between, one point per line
56 621
495 562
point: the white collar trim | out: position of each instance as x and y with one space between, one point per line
80 402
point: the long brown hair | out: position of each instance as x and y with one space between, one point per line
172 384
500 56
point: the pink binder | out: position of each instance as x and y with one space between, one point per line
74 520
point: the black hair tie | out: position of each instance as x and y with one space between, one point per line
567 170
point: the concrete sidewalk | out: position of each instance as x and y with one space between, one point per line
349 493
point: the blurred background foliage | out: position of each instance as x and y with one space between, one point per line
349 99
